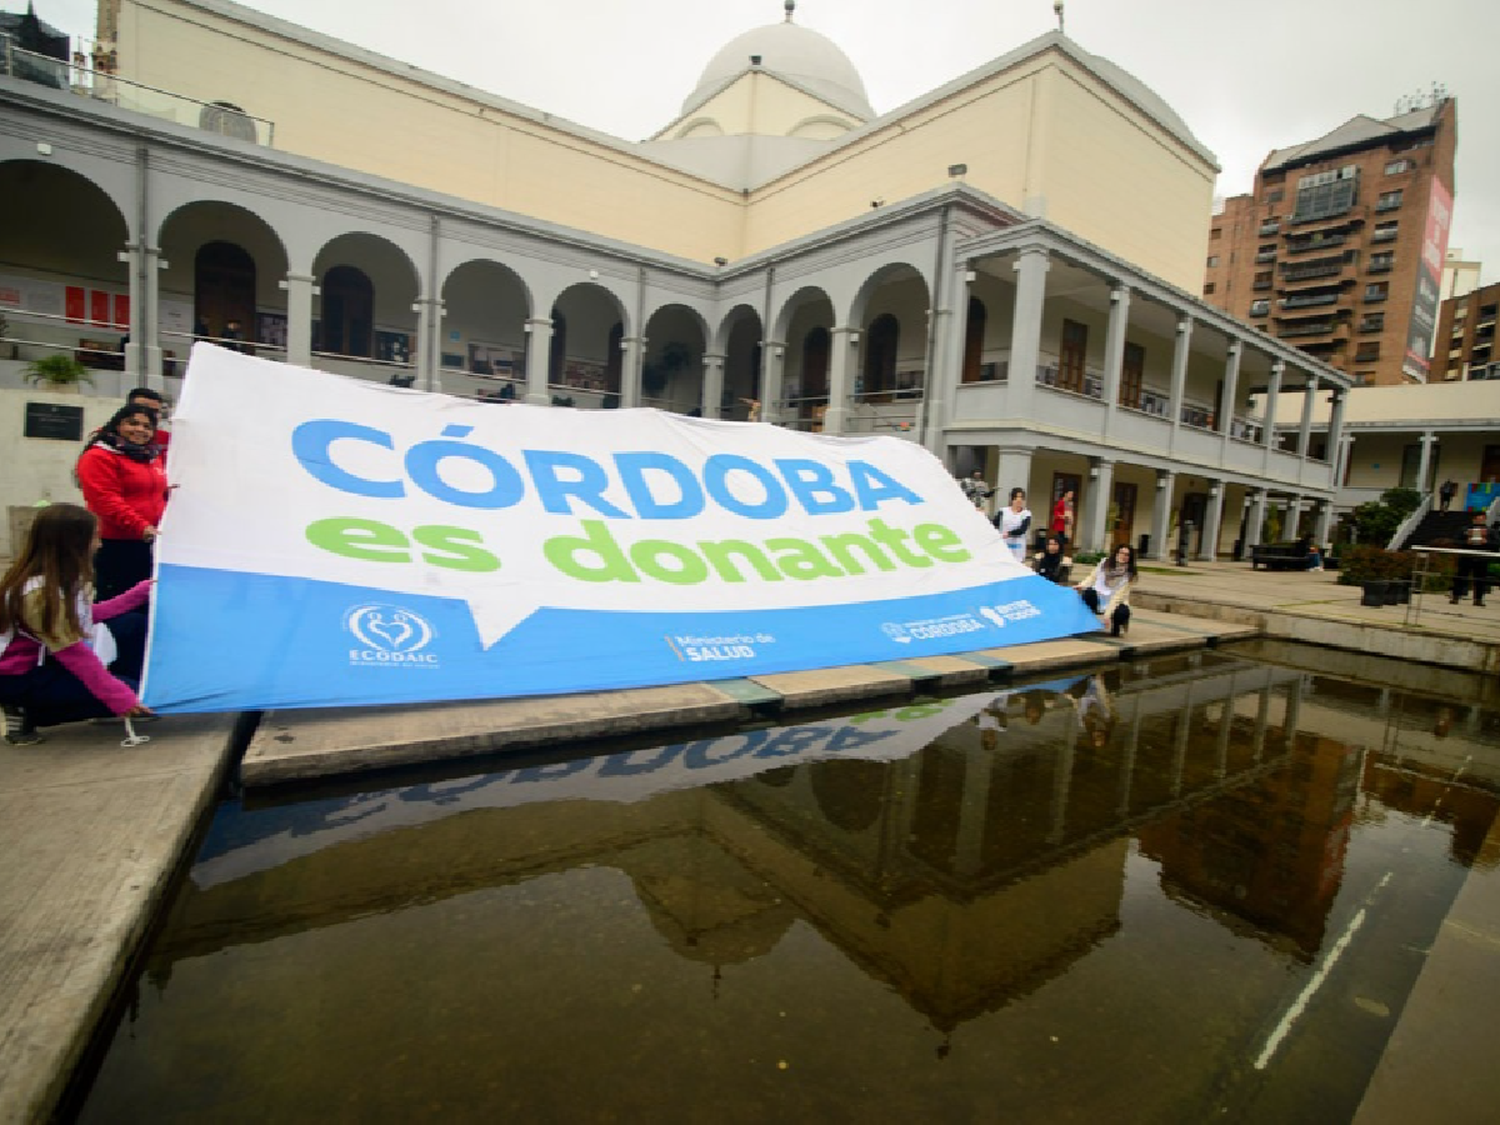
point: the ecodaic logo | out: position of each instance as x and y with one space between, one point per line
390 635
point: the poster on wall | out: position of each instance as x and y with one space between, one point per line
393 546
174 316
1429 281
31 295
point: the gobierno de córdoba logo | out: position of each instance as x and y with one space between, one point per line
390 636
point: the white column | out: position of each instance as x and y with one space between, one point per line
1293 523
945 361
1013 470
633 350
300 289
1180 350
842 354
1213 522
1273 392
135 349
1026 331
1161 516
713 385
1341 460
1304 432
772 379
1336 431
538 359
1424 463
1323 524
1228 395
1097 495
1114 350
1257 519
429 312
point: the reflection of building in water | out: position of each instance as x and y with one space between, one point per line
962 877
1271 854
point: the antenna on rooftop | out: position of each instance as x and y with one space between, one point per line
1422 99
1057 8
790 6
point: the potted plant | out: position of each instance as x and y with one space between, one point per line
57 371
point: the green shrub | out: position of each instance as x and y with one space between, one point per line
1365 563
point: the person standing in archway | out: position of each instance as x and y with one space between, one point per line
1063 518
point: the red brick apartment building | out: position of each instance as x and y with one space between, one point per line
1466 337
1339 250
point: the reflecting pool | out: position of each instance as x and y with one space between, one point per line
1186 890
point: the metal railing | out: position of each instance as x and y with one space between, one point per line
85 81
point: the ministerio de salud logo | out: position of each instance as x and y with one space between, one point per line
390 635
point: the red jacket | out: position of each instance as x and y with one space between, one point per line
127 495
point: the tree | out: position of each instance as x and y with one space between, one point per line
1377 521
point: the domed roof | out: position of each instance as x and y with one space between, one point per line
791 51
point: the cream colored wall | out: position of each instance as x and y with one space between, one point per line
1044 131
1121 182
984 126
340 111
761 104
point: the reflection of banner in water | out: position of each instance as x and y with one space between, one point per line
366 545
279 835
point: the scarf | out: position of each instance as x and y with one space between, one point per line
1113 573
145 453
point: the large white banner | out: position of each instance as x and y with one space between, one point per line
335 542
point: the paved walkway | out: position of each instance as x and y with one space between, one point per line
92 832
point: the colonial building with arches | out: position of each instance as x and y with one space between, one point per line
1002 270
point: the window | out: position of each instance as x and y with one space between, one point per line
1322 195
1396 167
1262 280
1382 263
1377 290
1367 352
1213 261
1215 234
1389 200
1266 253
882 339
1275 196
974 341
1260 308
1075 343
1372 322
1386 231
1208 289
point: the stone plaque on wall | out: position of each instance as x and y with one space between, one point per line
54 420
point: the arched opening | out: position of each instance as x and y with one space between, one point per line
881 340
974 341
348 311
223 292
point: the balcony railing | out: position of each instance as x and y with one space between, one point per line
1270 226
84 81
1320 328
1268 256
1326 243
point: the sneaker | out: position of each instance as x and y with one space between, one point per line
18 728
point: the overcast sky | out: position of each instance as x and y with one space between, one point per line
1246 77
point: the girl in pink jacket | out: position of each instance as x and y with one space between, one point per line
50 668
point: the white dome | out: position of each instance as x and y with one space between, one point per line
794 52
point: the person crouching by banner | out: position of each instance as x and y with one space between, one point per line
1013 522
124 483
1106 591
1051 563
56 666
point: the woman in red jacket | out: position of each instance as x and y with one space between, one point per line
125 484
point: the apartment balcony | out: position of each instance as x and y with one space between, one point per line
1308 300
1270 226
1266 257
1377 265
1304 329
1328 242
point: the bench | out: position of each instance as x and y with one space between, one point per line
1279 556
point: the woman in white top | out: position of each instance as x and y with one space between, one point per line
1107 590
1014 521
